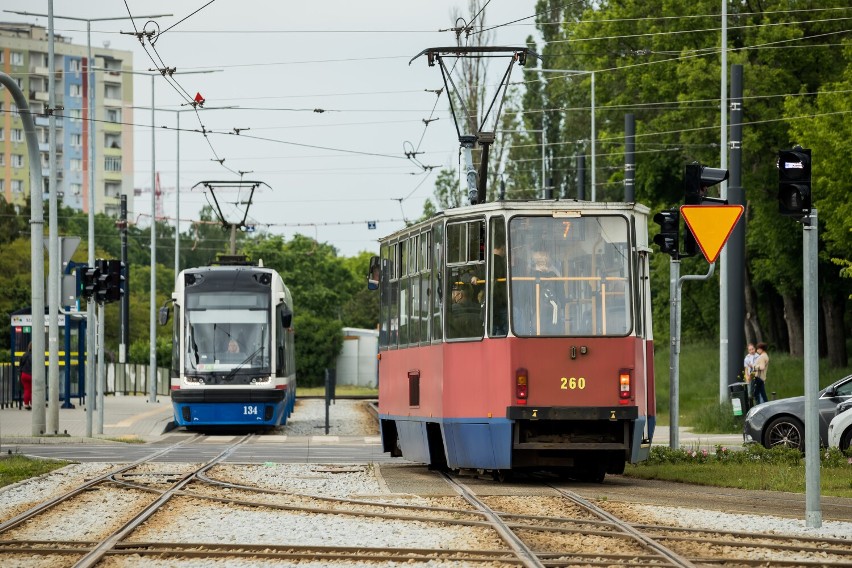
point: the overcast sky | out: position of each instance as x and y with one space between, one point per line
348 58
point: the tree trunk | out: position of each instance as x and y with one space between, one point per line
793 315
753 331
833 310
777 327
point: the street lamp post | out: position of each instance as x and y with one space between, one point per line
593 142
90 307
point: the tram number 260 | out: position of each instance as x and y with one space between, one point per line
573 383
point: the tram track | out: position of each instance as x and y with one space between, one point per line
474 530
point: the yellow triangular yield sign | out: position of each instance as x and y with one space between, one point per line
711 225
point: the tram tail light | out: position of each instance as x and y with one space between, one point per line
623 387
521 386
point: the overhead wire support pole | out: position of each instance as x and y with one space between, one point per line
36 250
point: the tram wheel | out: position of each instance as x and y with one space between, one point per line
502 475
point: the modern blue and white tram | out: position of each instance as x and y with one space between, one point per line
233 359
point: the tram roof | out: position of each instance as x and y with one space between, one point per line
536 206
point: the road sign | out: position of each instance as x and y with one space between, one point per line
711 225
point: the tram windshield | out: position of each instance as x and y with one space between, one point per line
227 332
570 276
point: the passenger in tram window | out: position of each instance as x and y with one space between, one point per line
465 317
233 346
550 292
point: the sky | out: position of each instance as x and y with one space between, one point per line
330 174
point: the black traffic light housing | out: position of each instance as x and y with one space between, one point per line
667 238
794 182
90 278
103 280
115 280
696 180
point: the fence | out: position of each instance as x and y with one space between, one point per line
121 379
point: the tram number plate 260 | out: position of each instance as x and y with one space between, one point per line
250 410
573 383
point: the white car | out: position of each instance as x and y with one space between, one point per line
840 428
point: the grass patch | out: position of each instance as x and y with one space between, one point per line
699 385
17 468
126 439
341 390
754 468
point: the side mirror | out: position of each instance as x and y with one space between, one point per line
163 316
286 317
374 274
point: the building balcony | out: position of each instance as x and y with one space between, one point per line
39 70
42 96
41 120
112 102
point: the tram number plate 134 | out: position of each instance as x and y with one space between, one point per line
250 411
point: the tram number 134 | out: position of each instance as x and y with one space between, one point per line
573 383
250 411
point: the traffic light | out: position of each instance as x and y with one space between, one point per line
103 280
794 182
115 280
667 238
90 281
696 180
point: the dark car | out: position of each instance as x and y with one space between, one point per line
782 422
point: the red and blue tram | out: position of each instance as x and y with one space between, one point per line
517 335
233 358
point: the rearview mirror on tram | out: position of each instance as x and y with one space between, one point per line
163 315
375 272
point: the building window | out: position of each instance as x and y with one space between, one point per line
113 114
76 165
17 135
2 181
76 188
112 163
112 140
112 91
2 159
17 186
75 114
75 90
76 139
112 189
16 58
75 65
17 161
2 132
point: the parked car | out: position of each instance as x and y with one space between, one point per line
840 427
782 422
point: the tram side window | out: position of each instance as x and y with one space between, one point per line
498 296
465 280
384 293
437 281
393 297
280 355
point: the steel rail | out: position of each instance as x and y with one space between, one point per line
42 507
524 553
643 539
96 554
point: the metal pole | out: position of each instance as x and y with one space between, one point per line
53 254
813 514
543 155
153 327
674 349
36 250
90 304
101 369
724 266
594 144
734 276
629 158
177 202
124 338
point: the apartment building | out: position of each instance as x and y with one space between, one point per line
24 57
